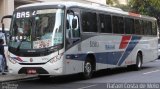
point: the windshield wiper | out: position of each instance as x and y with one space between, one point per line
18 47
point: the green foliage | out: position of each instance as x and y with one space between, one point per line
116 3
145 7
112 2
109 2
155 3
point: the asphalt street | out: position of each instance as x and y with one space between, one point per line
104 79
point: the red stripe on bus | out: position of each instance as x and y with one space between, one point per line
134 14
124 42
19 59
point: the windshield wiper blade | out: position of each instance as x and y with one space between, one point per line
18 47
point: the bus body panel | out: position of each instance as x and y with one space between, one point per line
72 61
114 57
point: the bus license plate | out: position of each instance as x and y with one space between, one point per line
31 71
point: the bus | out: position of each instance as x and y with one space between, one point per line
66 37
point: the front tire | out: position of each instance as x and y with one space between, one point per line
88 69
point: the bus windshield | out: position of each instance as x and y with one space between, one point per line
37 29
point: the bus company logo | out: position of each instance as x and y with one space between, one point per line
31 59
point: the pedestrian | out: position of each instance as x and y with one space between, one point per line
2 57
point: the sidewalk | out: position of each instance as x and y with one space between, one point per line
10 77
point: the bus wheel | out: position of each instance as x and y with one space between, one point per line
88 69
138 64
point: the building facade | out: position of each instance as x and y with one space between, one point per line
6 8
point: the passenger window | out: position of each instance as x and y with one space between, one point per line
105 23
139 29
118 25
154 28
147 28
89 21
129 26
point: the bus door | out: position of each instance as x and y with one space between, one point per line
72 39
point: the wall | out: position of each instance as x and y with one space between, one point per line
6 8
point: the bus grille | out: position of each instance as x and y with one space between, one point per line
39 70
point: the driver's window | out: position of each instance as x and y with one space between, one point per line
72 32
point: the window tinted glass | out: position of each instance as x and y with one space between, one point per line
147 28
139 30
129 26
118 25
89 21
154 28
105 23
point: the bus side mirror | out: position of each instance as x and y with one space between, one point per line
74 23
4 17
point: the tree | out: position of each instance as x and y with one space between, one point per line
116 3
146 7
112 2
109 2
138 6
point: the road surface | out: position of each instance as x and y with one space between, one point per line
120 78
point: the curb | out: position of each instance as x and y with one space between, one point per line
16 78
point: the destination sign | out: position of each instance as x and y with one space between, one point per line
25 14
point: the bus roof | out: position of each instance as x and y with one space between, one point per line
90 5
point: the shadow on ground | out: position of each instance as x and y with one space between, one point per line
78 77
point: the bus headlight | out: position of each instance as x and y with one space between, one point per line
12 60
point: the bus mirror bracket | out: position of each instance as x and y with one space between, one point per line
71 11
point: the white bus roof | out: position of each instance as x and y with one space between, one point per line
90 5
71 3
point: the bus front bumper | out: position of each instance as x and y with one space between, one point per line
46 69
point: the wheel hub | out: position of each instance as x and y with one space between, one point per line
88 68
